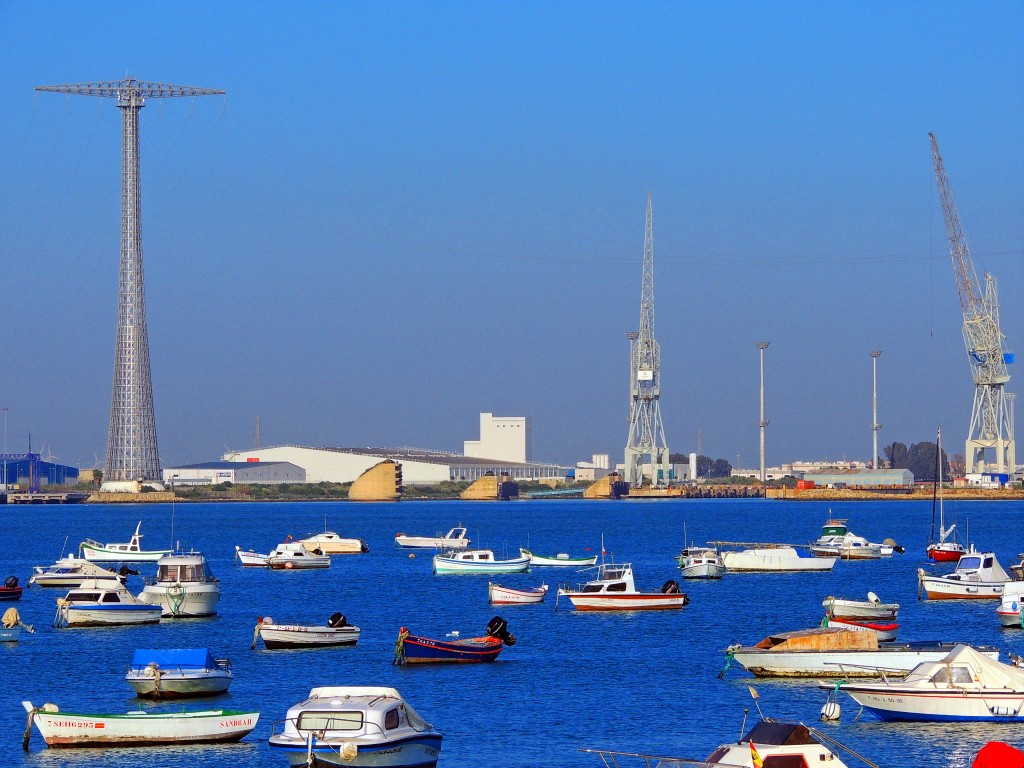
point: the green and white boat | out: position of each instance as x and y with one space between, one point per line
561 559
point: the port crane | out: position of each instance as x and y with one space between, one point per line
992 412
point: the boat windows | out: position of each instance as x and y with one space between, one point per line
958 675
988 562
967 563
330 721
785 761
110 597
391 719
619 586
84 597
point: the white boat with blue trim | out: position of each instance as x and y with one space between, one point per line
478 561
131 552
102 603
356 726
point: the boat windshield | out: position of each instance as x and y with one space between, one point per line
330 721
948 674
969 563
182 573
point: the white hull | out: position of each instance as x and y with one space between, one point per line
637 601
250 559
499 595
703 571
70 572
559 560
860 610
74 616
938 588
184 601
407 755
884 635
175 685
774 560
951 705
61 729
332 544
447 565
96 554
767 663
297 636
424 542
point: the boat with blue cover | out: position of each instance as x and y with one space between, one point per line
177 673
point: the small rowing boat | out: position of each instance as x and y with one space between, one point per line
336 632
499 595
561 559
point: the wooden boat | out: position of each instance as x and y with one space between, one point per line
137 729
454 539
293 555
770 558
613 589
132 552
10 590
413 649
331 543
561 559
11 626
70 572
978 576
499 595
884 630
835 652
701 563
250 558
478 561
356 726
946 549
963 686
336 632
872 609
100 604
185 587
178 673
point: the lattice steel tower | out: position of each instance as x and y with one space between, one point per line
646 433
132 452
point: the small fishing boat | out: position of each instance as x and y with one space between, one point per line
11 590
70 572
178 673
413 649
478 561
499 595
250 558
872 609
101 604
963 686
454 539
946 549
331 543
613 589
11 626
137 729
1010 605
978 576
357 726
336 632
770 558
132 552
293 555
701 563
185 587
835 652
561 559
885 630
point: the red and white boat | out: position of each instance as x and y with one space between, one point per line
613 589
886 631
499 595
947 549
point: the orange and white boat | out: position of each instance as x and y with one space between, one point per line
613 589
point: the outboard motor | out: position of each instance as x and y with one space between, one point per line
498 627
126 571
11 582
670 587
337 620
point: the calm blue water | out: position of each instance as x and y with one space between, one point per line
639 682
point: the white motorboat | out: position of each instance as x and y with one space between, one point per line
138 728
132 552
837 540
70 572
499 595
963 686
103 603
293 555
331 543
770 742
872 609
978 576
613 589
336 632
701 563
454 539
835 652
770 558
185 587
478 561
357 726
560 560
250 558
178 673
1009 610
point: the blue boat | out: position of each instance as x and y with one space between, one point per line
413 649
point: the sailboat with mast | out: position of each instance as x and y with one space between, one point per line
947 549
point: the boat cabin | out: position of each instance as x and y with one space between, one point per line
473 555
780 745
978 566
182 569
611 577
834 528
93 591
348 712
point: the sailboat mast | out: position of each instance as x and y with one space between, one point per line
935 484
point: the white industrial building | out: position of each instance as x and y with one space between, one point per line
508 438
246 473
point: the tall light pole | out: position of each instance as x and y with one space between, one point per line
762 346
5 409
875 426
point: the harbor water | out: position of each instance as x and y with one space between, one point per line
636 682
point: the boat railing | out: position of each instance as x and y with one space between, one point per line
613 759
881 672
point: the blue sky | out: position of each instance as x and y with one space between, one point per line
404 214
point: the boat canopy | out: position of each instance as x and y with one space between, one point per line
771 733
195 658
966 667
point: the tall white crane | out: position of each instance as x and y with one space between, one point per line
646 440
992 412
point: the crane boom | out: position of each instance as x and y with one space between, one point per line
117 89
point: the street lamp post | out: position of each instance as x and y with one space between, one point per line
5 409
762 346
875 426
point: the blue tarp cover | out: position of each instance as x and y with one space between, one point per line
175 657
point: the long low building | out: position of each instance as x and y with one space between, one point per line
419 467
246 473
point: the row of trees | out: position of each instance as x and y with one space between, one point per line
919 458
706 466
